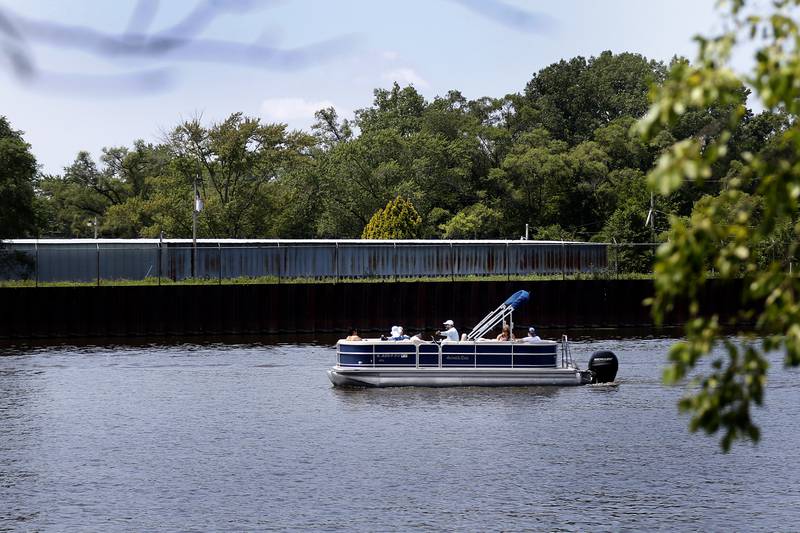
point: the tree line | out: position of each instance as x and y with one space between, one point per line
559 156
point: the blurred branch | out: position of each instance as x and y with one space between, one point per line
180 42
509 15
143 14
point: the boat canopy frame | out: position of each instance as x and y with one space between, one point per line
503 311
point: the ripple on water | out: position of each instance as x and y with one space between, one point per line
252 436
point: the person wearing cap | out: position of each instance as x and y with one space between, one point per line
532 336
450 332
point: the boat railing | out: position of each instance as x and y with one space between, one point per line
566 354
377 352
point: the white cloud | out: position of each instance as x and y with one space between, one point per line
292 109
390 55
405 76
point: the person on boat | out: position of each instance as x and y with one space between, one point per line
450 332
532 336
506 334
397 334
353 335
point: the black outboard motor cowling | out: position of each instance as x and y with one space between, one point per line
604 366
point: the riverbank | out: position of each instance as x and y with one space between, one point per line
178 310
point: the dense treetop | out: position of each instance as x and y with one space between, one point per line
559 156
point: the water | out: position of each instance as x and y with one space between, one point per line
195 437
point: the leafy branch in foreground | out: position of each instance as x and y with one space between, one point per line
756 209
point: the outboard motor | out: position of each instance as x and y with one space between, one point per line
604 366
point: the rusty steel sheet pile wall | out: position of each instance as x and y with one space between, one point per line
86 260
554 307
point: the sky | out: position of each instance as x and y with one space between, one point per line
72 76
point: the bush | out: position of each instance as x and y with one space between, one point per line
398 220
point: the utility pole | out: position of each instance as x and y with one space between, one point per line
652 219
195 209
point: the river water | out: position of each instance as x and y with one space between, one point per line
251 436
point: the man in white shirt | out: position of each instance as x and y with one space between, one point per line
450 333
532 336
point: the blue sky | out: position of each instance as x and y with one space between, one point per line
79 99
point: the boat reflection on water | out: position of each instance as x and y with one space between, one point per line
412 397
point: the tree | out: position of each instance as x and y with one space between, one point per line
17 175
538 180
398 220
426 152
237 163
770 294
628 221
571 99
82 194
476 221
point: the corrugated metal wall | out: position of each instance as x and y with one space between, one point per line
107 259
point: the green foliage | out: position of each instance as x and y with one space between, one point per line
553 232
731 231
571 99
539 158
17 173
426 152
476 221
398 220
239 165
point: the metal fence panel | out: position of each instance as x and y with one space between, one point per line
67 263
426 260
254 262
176 262
89 260
309 261
354 261
127 262
479 260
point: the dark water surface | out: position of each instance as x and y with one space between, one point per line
197 437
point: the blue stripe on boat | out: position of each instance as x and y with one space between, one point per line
355 348
429 359
493 348
351 359
494 360
534 359
532 348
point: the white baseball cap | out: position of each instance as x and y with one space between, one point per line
448 322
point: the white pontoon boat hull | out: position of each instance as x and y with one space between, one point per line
451 377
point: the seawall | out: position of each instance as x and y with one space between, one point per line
53 312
